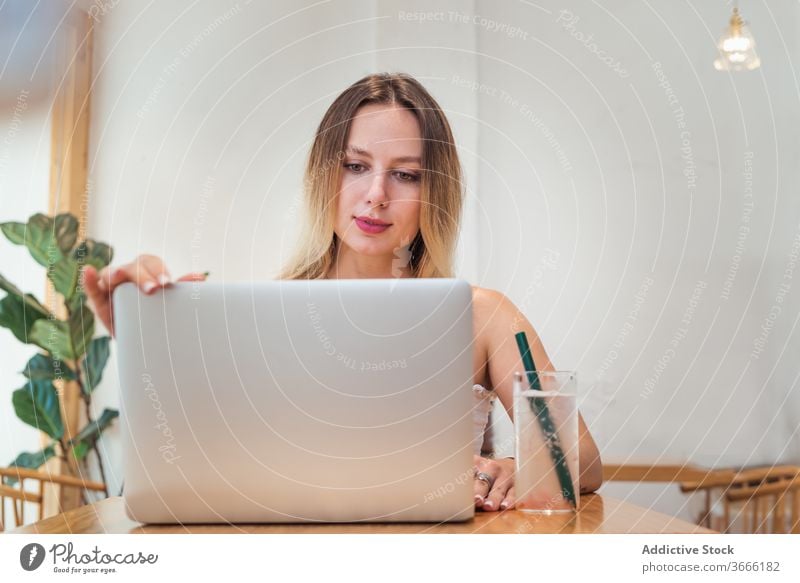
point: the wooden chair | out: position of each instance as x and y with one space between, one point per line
766 499
19 495
633 472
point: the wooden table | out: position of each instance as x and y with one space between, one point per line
598 514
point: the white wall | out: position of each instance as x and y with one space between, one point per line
581 207
633 199
24 190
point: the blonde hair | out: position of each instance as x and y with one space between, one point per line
441 193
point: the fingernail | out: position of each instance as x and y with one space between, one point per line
503 505
163 279
148 287
488 504
479 499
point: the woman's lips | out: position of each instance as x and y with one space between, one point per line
369 227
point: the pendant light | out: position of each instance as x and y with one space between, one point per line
737 49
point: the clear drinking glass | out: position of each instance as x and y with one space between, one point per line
546 430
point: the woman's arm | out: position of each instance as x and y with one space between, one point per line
146 271
502 320
591 467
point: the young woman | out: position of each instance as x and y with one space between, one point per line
384 197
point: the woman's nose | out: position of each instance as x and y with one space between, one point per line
377 189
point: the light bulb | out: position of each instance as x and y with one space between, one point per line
737 48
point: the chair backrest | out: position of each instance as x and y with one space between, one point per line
762 500
19 495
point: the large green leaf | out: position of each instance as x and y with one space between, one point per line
42 232
37 405
94 363
64 275
37 235
14 317
17 317
31 303
44 367
31 460
91 433
14 232
66 232
66 340
90 252
50 242
74 304
65 272
81 326
79 450
19 312
53 336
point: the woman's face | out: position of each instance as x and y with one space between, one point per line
381 177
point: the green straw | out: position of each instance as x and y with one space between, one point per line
539 407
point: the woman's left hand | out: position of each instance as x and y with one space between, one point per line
501 494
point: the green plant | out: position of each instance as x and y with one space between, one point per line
71 353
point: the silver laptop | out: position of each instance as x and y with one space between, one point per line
297 401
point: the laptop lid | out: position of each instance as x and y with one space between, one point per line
296 401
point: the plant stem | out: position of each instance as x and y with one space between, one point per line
87 403
97 453
64 450
65 458
102 471
87 400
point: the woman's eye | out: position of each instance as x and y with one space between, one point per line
406 177
357 168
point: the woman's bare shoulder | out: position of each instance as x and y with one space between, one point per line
484 297
490 304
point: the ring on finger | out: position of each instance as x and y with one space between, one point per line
484 477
